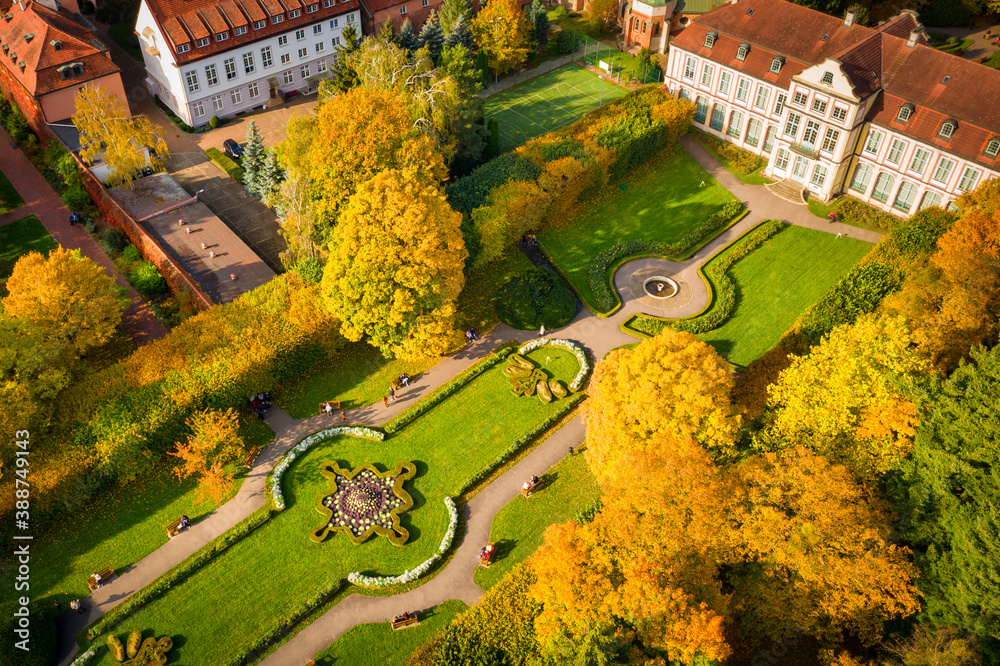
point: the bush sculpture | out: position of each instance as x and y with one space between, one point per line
526 379
138 652
365 501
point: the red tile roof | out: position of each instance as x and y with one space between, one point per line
862 64
48 28
185 21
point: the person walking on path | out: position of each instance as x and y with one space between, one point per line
392 394
343 417
385 400
541 331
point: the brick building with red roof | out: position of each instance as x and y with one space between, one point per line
47 53
209 58
834 106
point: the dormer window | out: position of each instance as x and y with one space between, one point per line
742 51
221 36
13 56
70 71
55 44
294 13
183 48
776 64
258 25
277 19
7 17
993 147
905 112
6 47
202 43
948 128
27 38
710 39
827 79
21 66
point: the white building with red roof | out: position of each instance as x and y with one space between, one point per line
47 53
209 58
838 107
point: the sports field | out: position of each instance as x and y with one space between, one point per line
547 103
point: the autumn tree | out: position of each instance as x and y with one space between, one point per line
851 397
297 222
602 14
34 368
504 32
344 76
109 132
67 297
396 265
214 443
453 11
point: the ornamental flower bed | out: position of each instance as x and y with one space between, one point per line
581 357
303 446
85 657
365 501
413 574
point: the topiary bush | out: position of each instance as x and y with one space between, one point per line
535 298
567 41
146 279
214 122
858 212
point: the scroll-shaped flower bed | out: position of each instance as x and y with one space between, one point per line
365 501
581 357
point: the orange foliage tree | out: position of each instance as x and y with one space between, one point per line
214 442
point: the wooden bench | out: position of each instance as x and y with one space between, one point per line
251 456
527 491
396 384
174 528
485 561
310 663
106 574
411 621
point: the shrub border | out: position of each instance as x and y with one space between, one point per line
720 288
569 345
223 161
179 572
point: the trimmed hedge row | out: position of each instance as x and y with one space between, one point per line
600 281
725 290
857 293
740 159
565 406
858 212
282 626
234 170
471 191
445 390
178 574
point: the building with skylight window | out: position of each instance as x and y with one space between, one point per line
208 58
836 107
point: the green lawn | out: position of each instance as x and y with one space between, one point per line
576 22
359 375
19 238
10 198
123 526
378 645
517 529
662 201
276 569
547 102
623 67
778 282
715 147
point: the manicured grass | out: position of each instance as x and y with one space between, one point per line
18 239
379 645
243 592
820 209
124 525
358 375
716 148
546 103
622 67
778 282
10 198
224 162
567 488
576 22
662 201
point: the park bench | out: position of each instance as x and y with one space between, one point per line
251 456
310 663
106 574
174 528
485 561
530 489
398 623
396 384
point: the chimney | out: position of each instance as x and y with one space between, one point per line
914 36
852 13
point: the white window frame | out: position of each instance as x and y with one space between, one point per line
222 36
883 187
762 96
839 113
689 66
198 110
248 64
303 53
792 123
874 141
217 103
300 34
930 198
781 159
320 47
283 40
318 29
236 94
230 66
830 140
294 13
800 102
779 104
896 151
818 175
754 127
811 133
866 179
183 48
707 72
191 78
921 156
288 76
969 179
947 129
265 57
819 106
305 71
259 25
905 196
275 20
285 58
735 128
725 81
253 90
240 30
211 75
320 66
743 89
946 165
203 42
992 148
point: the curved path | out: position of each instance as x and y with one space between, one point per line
455 581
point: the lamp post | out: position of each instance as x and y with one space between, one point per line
602 91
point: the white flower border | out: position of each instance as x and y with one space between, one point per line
581 356
85 657
292 454
420 569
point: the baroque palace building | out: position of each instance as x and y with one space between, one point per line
836 107
209 58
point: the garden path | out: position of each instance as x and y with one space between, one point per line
597 335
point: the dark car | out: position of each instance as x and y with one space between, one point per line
232 149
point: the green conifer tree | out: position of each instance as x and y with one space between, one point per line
540 19
387 33
408 37
270 178
460 33
344 76
253 159
454 10
432 37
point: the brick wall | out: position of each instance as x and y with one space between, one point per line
32 110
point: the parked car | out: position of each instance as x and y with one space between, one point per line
232 148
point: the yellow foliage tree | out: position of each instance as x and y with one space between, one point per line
396 266
512 210
110 132
503 29
844 398
66 296
214 442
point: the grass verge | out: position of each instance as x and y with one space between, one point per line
17 239
234 170
743 164
10 198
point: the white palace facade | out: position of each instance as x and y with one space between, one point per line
836 107
209 58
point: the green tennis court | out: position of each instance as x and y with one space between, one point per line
547 103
